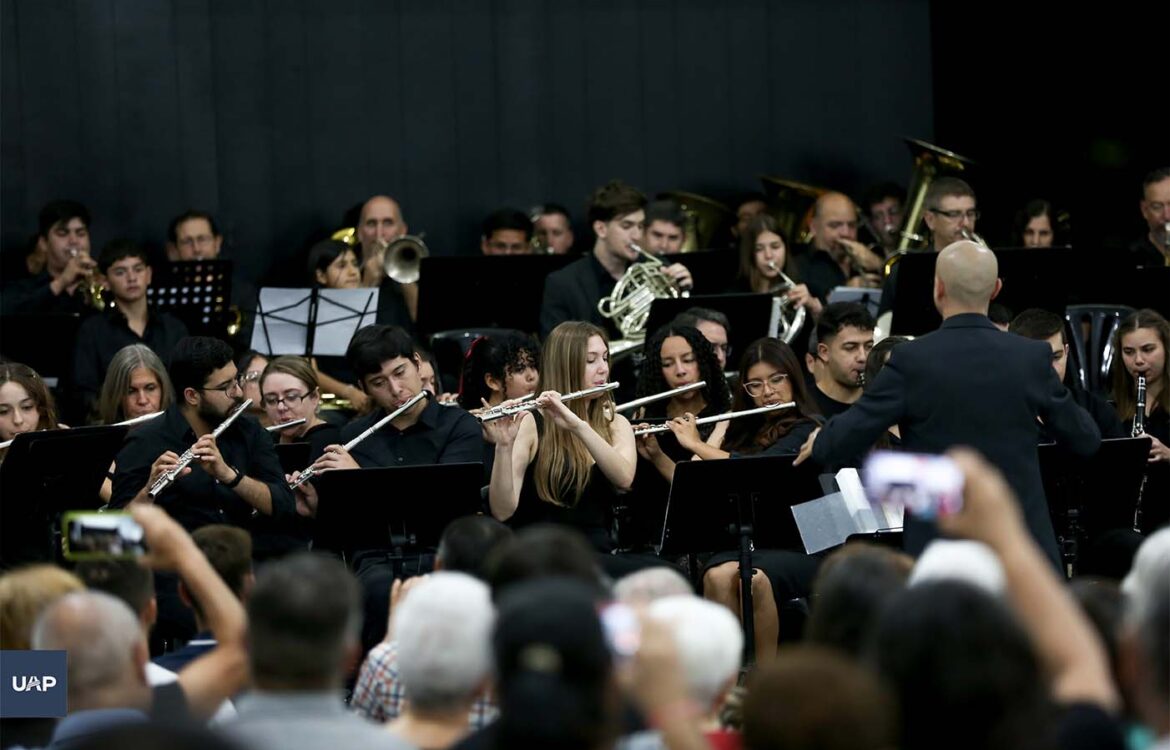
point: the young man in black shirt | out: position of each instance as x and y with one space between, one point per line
63 232
844 337
129 320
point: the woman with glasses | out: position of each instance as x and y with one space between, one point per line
288 391
249 367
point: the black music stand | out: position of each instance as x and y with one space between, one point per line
197 292
749 314
45 474
402 510
484 292
293 456
739 504
1088 496
712 271
305 322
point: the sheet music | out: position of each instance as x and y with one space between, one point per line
282 325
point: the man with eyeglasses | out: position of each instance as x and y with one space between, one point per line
128 320
1153 249
193 236
235 478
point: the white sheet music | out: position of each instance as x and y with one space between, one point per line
282 323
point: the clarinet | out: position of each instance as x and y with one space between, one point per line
1139 428
167 479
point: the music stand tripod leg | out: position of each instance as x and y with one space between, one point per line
747 606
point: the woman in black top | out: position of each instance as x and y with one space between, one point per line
288 391
566 463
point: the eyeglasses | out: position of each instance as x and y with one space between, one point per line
292 399
248 377
202 240
955 215
756 387
225 387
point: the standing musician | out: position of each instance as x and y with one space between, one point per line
236 477
966 384
566 462
677 356
617 215
289 391
1142 341
771 375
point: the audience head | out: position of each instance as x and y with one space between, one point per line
136 384
650 584
543 551
24 594
467 543
710 645
124 580
849 592
960 560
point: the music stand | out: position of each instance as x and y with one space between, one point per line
45 474
1087 496
749 314
402 510
739 504
293 456
197 292
713 271
306 322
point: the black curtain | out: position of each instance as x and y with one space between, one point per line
277 116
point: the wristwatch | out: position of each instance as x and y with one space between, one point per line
235 482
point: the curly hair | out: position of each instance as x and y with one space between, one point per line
498 356
715 393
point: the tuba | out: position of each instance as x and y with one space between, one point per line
704 216
930 162
629 303
791 204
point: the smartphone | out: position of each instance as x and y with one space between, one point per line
87 535
928 486
623 632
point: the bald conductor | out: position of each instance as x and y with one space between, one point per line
967 383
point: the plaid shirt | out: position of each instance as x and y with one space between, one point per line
380 697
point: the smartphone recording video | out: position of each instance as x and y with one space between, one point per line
927 486
101 536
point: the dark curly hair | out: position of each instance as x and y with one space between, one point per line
755 433
716 393
497 356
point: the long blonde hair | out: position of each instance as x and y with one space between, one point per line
562 461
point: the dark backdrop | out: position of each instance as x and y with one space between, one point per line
278 116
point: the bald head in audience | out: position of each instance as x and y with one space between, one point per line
965 279
107 651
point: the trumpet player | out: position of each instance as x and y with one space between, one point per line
380 222
834 257
234 478
883 207
63 237
617 213
553 227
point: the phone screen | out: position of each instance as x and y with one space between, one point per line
94 536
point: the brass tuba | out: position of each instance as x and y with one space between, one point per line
705 217
791 204
930 162
629 303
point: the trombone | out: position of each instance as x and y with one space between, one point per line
530 405
660 396
656 429
310 472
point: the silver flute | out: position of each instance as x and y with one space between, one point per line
659 396
286 425
531 405
310 472
656 429
167 479
500 407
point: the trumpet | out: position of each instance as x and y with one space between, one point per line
168 478
970 236
309 472
507 411
285 425
656 429
92 286
660 396
402 258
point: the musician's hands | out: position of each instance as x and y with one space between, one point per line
807 449
305 494
680 275
647 445
162 465
77 269
211 460
686 431
551 407
1158 449
860 256
502 432
373 270
335 457
802 297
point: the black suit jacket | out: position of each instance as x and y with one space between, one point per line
968 384
572 293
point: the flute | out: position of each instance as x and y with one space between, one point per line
656 429
532 406
500 408
659 396
188 456
309 473
286 425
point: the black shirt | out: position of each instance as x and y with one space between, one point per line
572 293
830 407
101 336
1145 254
820 272
442 435
198 500
33 295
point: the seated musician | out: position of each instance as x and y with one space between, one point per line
1035 225
63 234
617 215
1042 325
834 257
882 205
335 265
1153 249
235 478
1141 346
764 262
714 326
25 403
506 232
289 391
136 384
129 320
844 336
250 366
677 356
666 228
553 228
747 207
380 222
771 374
193 235
565 462
497 369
